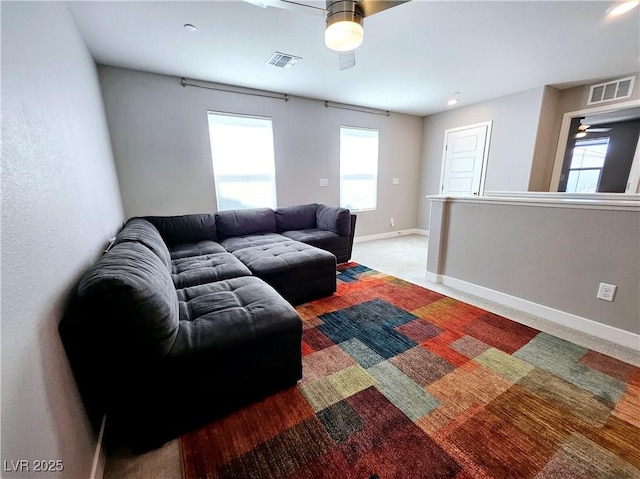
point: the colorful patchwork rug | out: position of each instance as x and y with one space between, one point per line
402 382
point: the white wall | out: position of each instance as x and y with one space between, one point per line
60 202
513 138
160 139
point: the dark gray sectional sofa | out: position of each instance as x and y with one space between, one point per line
187 318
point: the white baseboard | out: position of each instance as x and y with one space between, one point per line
433 277
588 326
97 469
391 234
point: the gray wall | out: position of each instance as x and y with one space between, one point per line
548 255
513 138
160 138
60 202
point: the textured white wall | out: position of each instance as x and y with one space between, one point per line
60 203
160 140
513 137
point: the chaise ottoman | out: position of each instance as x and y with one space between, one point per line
299 272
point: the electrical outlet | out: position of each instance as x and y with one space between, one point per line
391 222
606 291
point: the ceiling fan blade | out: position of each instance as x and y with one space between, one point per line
597 130
291 5
369 7
347 59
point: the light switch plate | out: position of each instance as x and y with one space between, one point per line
323 182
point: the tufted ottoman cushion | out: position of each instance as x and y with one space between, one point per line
299 272
226 315
195 249
249 241
206 268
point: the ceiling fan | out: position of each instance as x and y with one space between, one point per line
343 21
584 129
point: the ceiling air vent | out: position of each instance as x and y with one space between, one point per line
613 90
283 60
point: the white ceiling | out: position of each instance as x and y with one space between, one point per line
413 58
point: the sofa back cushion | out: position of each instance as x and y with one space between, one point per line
334 219
186 228
129 297
300 217
245 222
140 231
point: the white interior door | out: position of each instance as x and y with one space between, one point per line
464 159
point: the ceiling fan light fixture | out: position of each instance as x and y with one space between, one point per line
623 7
581 134
343 29
343 36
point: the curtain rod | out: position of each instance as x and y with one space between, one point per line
361 109
276 96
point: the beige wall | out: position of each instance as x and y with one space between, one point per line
575 99
546 141
60 203
160 138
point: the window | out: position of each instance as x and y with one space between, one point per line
586 167
243 161
358 168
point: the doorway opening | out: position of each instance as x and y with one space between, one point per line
599 151
599 160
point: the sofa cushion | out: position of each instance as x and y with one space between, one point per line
245 222
195 249
327 240
186 228
296 217
130 296
250 241
207 269
298 272
141 231
232 314
334 219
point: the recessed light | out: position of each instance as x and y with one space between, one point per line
189 27
623 7
453 101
